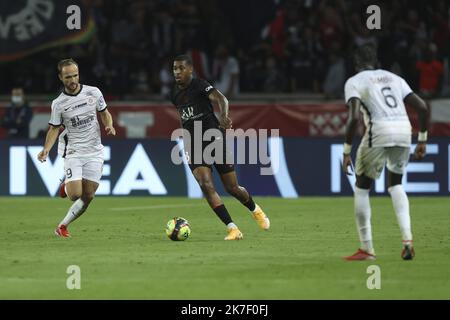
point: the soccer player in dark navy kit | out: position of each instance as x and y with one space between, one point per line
194 99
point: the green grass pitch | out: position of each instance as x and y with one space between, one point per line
123 252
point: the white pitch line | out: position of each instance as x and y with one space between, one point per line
156 206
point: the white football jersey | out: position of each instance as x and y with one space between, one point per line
381 93
78 114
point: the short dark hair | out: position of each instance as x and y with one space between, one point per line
366 55
65 62
185 58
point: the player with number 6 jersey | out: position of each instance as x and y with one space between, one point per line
380 96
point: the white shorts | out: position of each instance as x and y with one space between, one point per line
371 161
83 168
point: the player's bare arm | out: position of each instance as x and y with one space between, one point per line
107 121
218 99
421 107
52 135
354 105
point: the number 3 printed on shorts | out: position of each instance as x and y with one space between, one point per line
69 173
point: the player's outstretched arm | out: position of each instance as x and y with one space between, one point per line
421 107
354 104
217 98
52 135
107 121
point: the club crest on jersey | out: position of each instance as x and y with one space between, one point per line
91 100
187 113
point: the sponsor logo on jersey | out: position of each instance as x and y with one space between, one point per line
101 102
77 122
187 113
76 107
80 105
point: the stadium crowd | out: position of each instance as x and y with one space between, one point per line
247 46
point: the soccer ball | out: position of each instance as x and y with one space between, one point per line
178 229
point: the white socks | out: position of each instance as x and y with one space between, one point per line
401 208
363 212
231 225
362 217
74 212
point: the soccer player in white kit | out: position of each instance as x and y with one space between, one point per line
80 143
380 96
